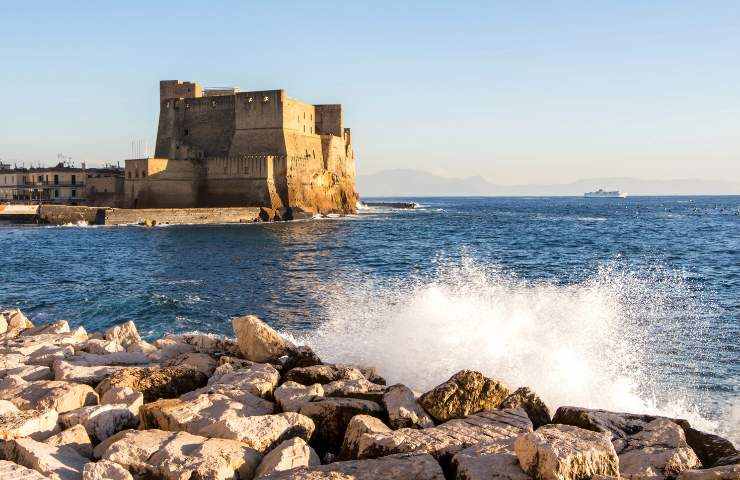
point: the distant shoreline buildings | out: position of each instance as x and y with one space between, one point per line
62 184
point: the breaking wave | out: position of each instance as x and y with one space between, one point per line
603 342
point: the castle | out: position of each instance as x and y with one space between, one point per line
223 148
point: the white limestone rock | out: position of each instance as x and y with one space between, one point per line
13 471
36 424
197 413
291 396
198 361
360 388
403 409
60 326
105 470
493 460
259 379
100 346
133 399
323 374
179 455
358 426
289 454
57 463
125 334
257 341
659 449
207 343
28 373
101 421
416 466
565 452
47 394
445 440
75 437
70 372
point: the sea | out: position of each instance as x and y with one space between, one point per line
624 304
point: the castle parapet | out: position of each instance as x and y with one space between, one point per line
169 89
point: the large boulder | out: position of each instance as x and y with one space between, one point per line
659 449
64 370
100 346
124 334
57 463
416 466
75 437
565 452
443 441
101 421
60 326
28 373
197 361
155 383
711 449
465 393
532 404
259 379
358 426
403 409
12 470
200 413
179 455
105 470
36 424
493 460
257 341
323 374
47 394
332 415
290 454
292 396
133 399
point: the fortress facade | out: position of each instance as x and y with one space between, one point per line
226 148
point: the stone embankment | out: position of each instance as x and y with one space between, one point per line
112 406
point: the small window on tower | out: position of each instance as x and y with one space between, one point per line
185 132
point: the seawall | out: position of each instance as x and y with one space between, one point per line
63 214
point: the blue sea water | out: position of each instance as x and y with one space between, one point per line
629 304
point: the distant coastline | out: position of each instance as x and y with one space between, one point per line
415 183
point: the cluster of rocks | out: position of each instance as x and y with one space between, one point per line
111 406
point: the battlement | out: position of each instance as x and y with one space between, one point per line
179 89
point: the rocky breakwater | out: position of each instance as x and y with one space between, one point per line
112 406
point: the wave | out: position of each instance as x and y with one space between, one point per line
598 343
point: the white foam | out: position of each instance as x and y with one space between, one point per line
586 344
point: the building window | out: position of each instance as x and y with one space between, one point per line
56 179
74 179
129 175
143 174
185 132
74 193
56 193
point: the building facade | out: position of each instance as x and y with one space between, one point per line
62 185
223 147
59 184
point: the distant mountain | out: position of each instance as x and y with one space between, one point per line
415 183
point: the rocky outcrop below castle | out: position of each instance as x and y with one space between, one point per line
111 405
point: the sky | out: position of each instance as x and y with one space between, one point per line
517 92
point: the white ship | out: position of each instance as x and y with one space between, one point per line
605 194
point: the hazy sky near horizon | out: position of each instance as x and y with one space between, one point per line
518 92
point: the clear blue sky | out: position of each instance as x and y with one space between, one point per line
516 91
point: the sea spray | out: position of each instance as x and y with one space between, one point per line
603 342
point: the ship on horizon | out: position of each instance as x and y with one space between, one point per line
601 193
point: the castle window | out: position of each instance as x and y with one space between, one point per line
266 99
213 103
250 99
143 174
129 175
185 132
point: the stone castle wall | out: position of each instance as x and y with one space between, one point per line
259 148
